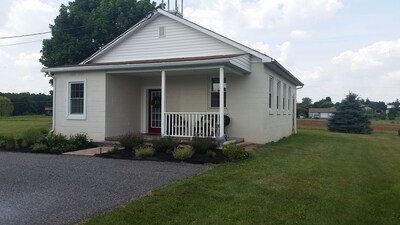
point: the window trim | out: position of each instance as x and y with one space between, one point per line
210 91
278 96
271 83
76 116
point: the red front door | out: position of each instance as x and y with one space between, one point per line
154 111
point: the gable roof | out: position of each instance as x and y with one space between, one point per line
197 27
267 60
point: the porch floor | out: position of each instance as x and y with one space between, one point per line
152 137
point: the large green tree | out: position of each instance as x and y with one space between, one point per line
6 106
350 117
323 103
303 106
84 26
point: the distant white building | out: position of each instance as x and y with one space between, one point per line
323 113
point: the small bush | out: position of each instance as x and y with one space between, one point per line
32 136
165 144
39 147
145 151
57 143
202 145
79 141
115 149
398 132
211 154
2 142
131 141
183 152
235 152
9 142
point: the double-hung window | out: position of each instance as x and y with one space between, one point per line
76 100
284 97
289 98
271 90
215 92
278 93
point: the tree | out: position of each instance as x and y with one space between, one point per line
302 108
323 103
395 110
350 117
6 106
85 26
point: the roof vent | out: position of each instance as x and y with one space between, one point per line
174 8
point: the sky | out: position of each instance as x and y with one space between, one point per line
333 46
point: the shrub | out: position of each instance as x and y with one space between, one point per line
39 147
165 144
2 142
145 151
9 142
398 132
131 141
57 143
211 154
32 136
235 152
202 145
183 152
79 141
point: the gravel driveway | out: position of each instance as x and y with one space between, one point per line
60 189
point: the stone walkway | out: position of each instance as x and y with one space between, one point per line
90 151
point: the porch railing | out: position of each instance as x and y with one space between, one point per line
191 124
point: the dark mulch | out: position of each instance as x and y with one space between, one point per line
162 156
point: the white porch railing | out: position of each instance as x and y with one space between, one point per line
191 124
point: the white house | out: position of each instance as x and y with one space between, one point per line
164 76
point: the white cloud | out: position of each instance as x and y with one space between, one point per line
382 54
259 46
393 75
260 15
27 60
285 55
314 74
299 34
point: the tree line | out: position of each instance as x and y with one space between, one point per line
373 109
24 103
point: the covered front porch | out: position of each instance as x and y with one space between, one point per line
179 101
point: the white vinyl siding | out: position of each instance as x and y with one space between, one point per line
179 41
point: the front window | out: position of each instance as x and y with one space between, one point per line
215 92
284 97
76 100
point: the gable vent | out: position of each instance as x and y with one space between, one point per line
161 32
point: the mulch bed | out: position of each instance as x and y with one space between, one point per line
163 157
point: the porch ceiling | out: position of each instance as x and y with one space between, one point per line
238 64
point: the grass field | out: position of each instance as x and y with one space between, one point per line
15 125
315 177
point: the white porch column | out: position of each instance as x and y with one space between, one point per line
221 102
163 103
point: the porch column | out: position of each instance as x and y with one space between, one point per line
163 103
221 102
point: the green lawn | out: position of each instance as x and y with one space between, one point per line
315 177
15 125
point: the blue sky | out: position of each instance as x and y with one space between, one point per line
333 46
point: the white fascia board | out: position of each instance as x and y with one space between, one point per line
137 66
122 37
226 40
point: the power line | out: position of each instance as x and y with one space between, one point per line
26 35
21 43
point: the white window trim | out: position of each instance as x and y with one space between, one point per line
76 116
278 97
284 99
210 90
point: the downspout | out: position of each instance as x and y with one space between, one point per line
53 126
